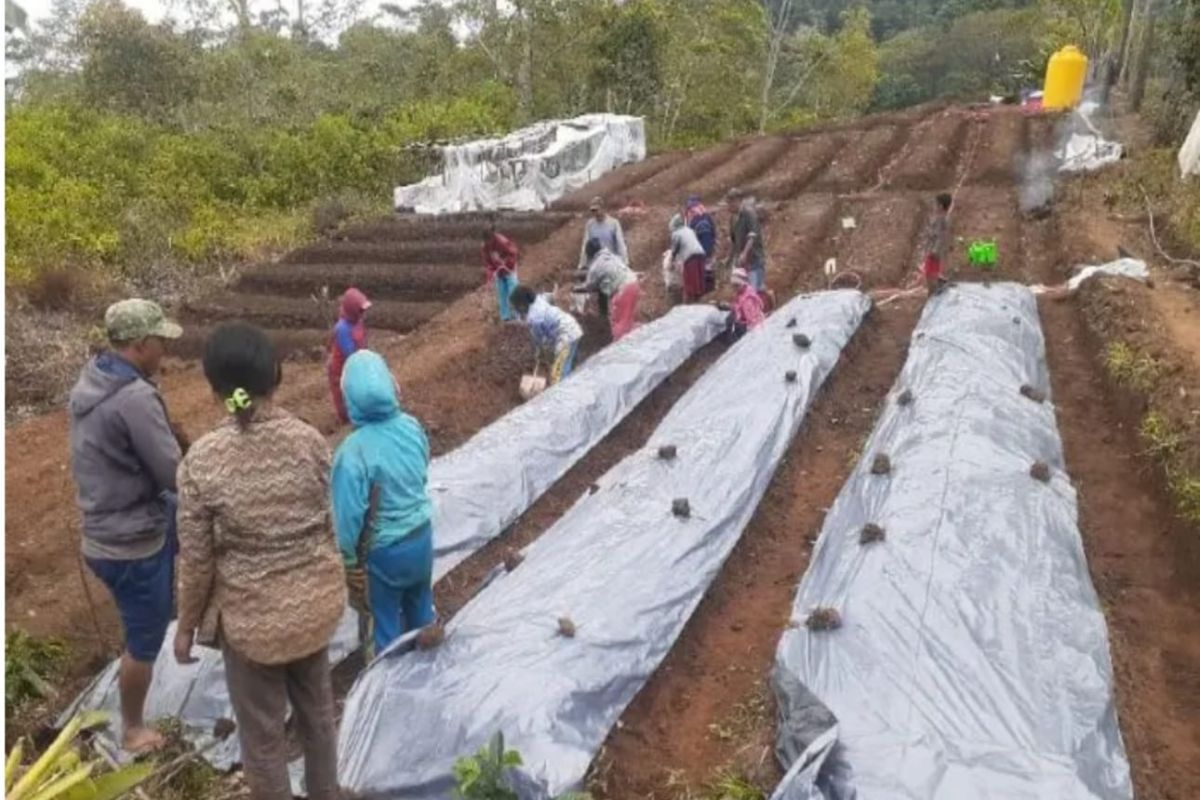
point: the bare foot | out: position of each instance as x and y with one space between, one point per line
140 741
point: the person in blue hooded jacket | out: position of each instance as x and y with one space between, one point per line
379 491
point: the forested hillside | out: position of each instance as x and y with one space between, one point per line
220 135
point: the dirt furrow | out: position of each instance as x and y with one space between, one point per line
616 183
796 242
930 156
881 247
705 710
856 165
744 167
297 312
382 281
457 250
526 226
797 167
988 214
672 185
1005 139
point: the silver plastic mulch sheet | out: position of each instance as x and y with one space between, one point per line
552 652
972 659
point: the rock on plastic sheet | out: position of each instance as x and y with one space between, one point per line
623 565
972 660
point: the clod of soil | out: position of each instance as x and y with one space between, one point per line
1040 471
791 323
871 533
595 487
824 619
905 398
882 465
513 560
681 508
566 627
667 452
801 340
431 636
790 376
224 728
1036 395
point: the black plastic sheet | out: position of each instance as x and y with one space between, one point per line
972 660
621 572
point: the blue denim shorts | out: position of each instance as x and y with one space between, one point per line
144 591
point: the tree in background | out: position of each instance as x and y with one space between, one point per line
1093 25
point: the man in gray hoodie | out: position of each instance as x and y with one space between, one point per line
124 454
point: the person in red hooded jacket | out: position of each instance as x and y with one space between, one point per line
348 337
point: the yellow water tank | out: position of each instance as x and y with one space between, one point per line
1064 79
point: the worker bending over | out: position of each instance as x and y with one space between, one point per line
553 330
608 274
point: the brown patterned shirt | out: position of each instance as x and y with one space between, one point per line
257 555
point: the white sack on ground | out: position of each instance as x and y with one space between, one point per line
1086 148
529 168
619 564
477 491
973 656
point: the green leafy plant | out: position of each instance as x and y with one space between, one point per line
731 786
63 773
482 776
28 664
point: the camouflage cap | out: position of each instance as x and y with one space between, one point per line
130 320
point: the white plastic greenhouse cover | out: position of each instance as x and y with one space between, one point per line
973 657
529 168
620 565
477 491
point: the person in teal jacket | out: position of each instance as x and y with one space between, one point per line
379 491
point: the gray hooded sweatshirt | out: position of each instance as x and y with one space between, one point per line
123 456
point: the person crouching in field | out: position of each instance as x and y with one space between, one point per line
500 265
552 329
348 337
259 573
746 312
381 507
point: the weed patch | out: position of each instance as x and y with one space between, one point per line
1130 368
